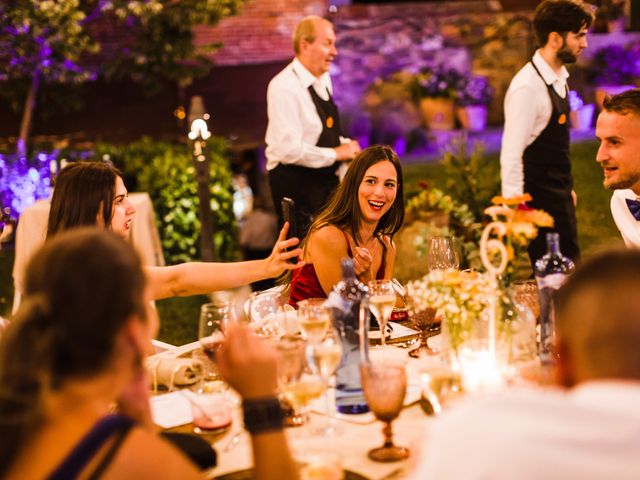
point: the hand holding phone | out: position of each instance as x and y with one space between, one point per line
289 215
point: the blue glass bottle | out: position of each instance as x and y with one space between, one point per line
348 301
551 271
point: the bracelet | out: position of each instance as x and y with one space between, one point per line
262 415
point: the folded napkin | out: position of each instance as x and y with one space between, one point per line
172 372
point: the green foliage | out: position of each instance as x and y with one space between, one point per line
51 42
472 179
164 45
167 173
462 223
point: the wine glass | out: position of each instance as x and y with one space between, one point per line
384 386
214 318
425 321
265 312
313 318
382 298
324 358
296 387
443 254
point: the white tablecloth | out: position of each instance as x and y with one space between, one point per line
32 228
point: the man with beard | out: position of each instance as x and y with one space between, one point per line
618 130
535 145
304 139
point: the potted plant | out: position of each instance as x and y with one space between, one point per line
435 91
581 114
613 70
473 94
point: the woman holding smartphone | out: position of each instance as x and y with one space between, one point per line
93 193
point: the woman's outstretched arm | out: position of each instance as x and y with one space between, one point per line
200 277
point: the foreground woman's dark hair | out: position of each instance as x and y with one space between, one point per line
80 289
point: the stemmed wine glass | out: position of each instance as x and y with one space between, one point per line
297 387
384 386
382 298
425 321
214 318
265 312
313 318
443 254
324 358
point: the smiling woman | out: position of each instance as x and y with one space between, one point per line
359 222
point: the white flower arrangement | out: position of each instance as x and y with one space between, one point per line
458 296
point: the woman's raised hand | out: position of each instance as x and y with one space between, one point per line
362 260
247 363
278 261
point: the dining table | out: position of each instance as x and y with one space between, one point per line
32 227
355 435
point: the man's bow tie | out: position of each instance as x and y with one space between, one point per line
634 207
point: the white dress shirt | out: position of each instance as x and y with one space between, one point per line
294 125
527 111
589 432
627 224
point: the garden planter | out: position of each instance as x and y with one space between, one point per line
603 90
437 113
472 117
582 118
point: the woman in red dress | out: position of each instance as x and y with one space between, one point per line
359 222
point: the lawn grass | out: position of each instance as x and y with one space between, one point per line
596 230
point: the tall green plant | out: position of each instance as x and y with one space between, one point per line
471 178
51 42
166 172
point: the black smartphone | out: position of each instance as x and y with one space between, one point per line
289 215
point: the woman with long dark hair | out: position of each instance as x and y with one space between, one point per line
359 221
73 355
74 349
93 193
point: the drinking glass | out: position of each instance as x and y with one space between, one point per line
214 318
384 386
443 254
313 318
296 387
382 298
324 358
424 321
210 409
266 313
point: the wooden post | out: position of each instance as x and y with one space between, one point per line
199 134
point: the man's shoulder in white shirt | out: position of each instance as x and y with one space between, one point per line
526 434
628 226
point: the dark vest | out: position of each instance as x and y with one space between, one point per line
547 177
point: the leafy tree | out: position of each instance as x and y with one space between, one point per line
56 42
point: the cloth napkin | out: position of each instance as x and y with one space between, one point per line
172 372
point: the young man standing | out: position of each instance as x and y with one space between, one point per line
535 144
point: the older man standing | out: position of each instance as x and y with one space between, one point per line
304 140
618 129
535 145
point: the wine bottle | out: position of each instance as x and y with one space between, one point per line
551 271
348 301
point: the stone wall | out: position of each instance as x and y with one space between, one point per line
261 33
376 40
